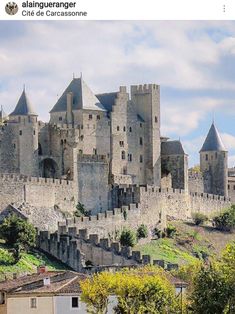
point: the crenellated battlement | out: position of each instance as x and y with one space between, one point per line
146 88
34 180
76 247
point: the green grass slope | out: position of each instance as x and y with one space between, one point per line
190 243
27 264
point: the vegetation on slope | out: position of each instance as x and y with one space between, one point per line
188 244
27 263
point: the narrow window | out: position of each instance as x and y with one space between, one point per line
94 151
98 117
130 157
80 151
124 129
156 119
124 170
90 117
123 155
228 187
39 149
130 129
206 157
141 158
140 125
74 302
60 118
34 132
141 141
20 132
33 303
121 143
118 128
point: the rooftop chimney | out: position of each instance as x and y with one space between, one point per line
41 269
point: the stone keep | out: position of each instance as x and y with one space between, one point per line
97 141
214 163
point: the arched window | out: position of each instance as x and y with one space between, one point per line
123 155
130 129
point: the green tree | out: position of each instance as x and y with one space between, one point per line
95 292
127 238
137 291
226 220
228 268
18 234
211 293
142 232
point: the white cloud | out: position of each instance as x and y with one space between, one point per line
228 140
172 54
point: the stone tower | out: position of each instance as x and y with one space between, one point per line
147 102
214 163
23 120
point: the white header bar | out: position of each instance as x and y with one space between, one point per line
119 10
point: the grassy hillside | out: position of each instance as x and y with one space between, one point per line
27 264
189 243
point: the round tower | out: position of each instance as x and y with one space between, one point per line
26 128
214 163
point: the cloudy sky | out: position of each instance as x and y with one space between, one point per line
194 62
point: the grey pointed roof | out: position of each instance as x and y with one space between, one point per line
83 98
213 141
24 107
172 148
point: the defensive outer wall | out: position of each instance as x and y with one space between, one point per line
149 206
38 192
75 248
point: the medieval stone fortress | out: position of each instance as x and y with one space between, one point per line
104 151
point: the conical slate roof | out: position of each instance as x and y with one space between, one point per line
213 141
23 107
83 98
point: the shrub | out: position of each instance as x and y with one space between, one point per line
81 211
226 220
157 232
199 218
18 233
128 238
170 231
142 232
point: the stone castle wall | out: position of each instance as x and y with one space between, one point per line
92 179
38 192
195 183
149 206
76 248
